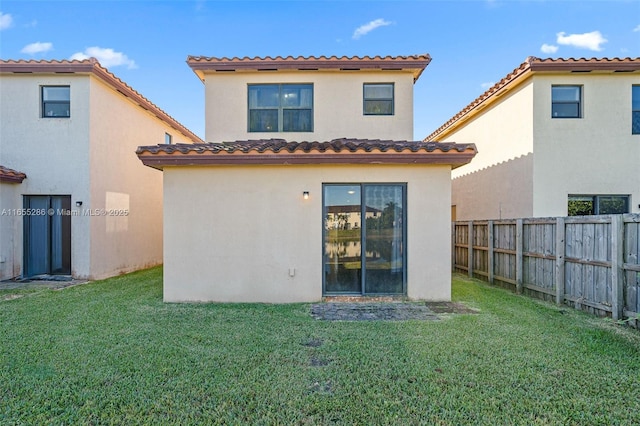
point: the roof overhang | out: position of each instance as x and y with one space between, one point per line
414 64
279 152
11 176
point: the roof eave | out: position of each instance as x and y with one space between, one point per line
453 159
12 179
202 66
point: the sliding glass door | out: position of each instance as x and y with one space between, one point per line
364 238
47 235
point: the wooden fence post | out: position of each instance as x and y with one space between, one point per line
519 258
560 252
617 263
490 255
470 250
453 246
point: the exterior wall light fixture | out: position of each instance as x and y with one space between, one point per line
305 195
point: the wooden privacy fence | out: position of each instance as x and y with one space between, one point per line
588 262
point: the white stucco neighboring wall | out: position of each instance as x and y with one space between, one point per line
53 152
337 105
498 182
235 233
592 155
10 199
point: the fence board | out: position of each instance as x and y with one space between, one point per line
572 260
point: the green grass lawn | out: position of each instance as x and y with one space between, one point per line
113 352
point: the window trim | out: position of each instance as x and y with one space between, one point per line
280 108
392 99
579 102
43 102
637 111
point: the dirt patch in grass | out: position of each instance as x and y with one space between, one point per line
371 311
10 297
450 308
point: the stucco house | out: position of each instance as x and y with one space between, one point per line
249 216
73 199
555 137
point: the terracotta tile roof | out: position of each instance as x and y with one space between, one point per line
414 63
92 65
534 65
280 151
10 175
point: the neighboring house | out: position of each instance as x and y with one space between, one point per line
348 216
86 209
10 181
248 217
555 137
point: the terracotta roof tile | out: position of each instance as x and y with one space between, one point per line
92 65
281 145
280 151
414 63
10 175
534 65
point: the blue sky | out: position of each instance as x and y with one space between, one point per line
473 43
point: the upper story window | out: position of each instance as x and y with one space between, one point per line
566 101
167 138
378 99
56 101
281 108
581 205
635 110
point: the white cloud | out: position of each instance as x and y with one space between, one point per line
367 28
106 56
37 47
548 48
6 20
636 29
590 41
487 85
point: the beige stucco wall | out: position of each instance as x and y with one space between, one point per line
498 182
338 103
596 154
118 181
53 152
502 191
233 233
9 200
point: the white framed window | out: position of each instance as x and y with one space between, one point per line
280 107
566 101
56 101
167 139
378 99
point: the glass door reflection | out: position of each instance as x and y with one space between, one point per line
342 239
384 239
